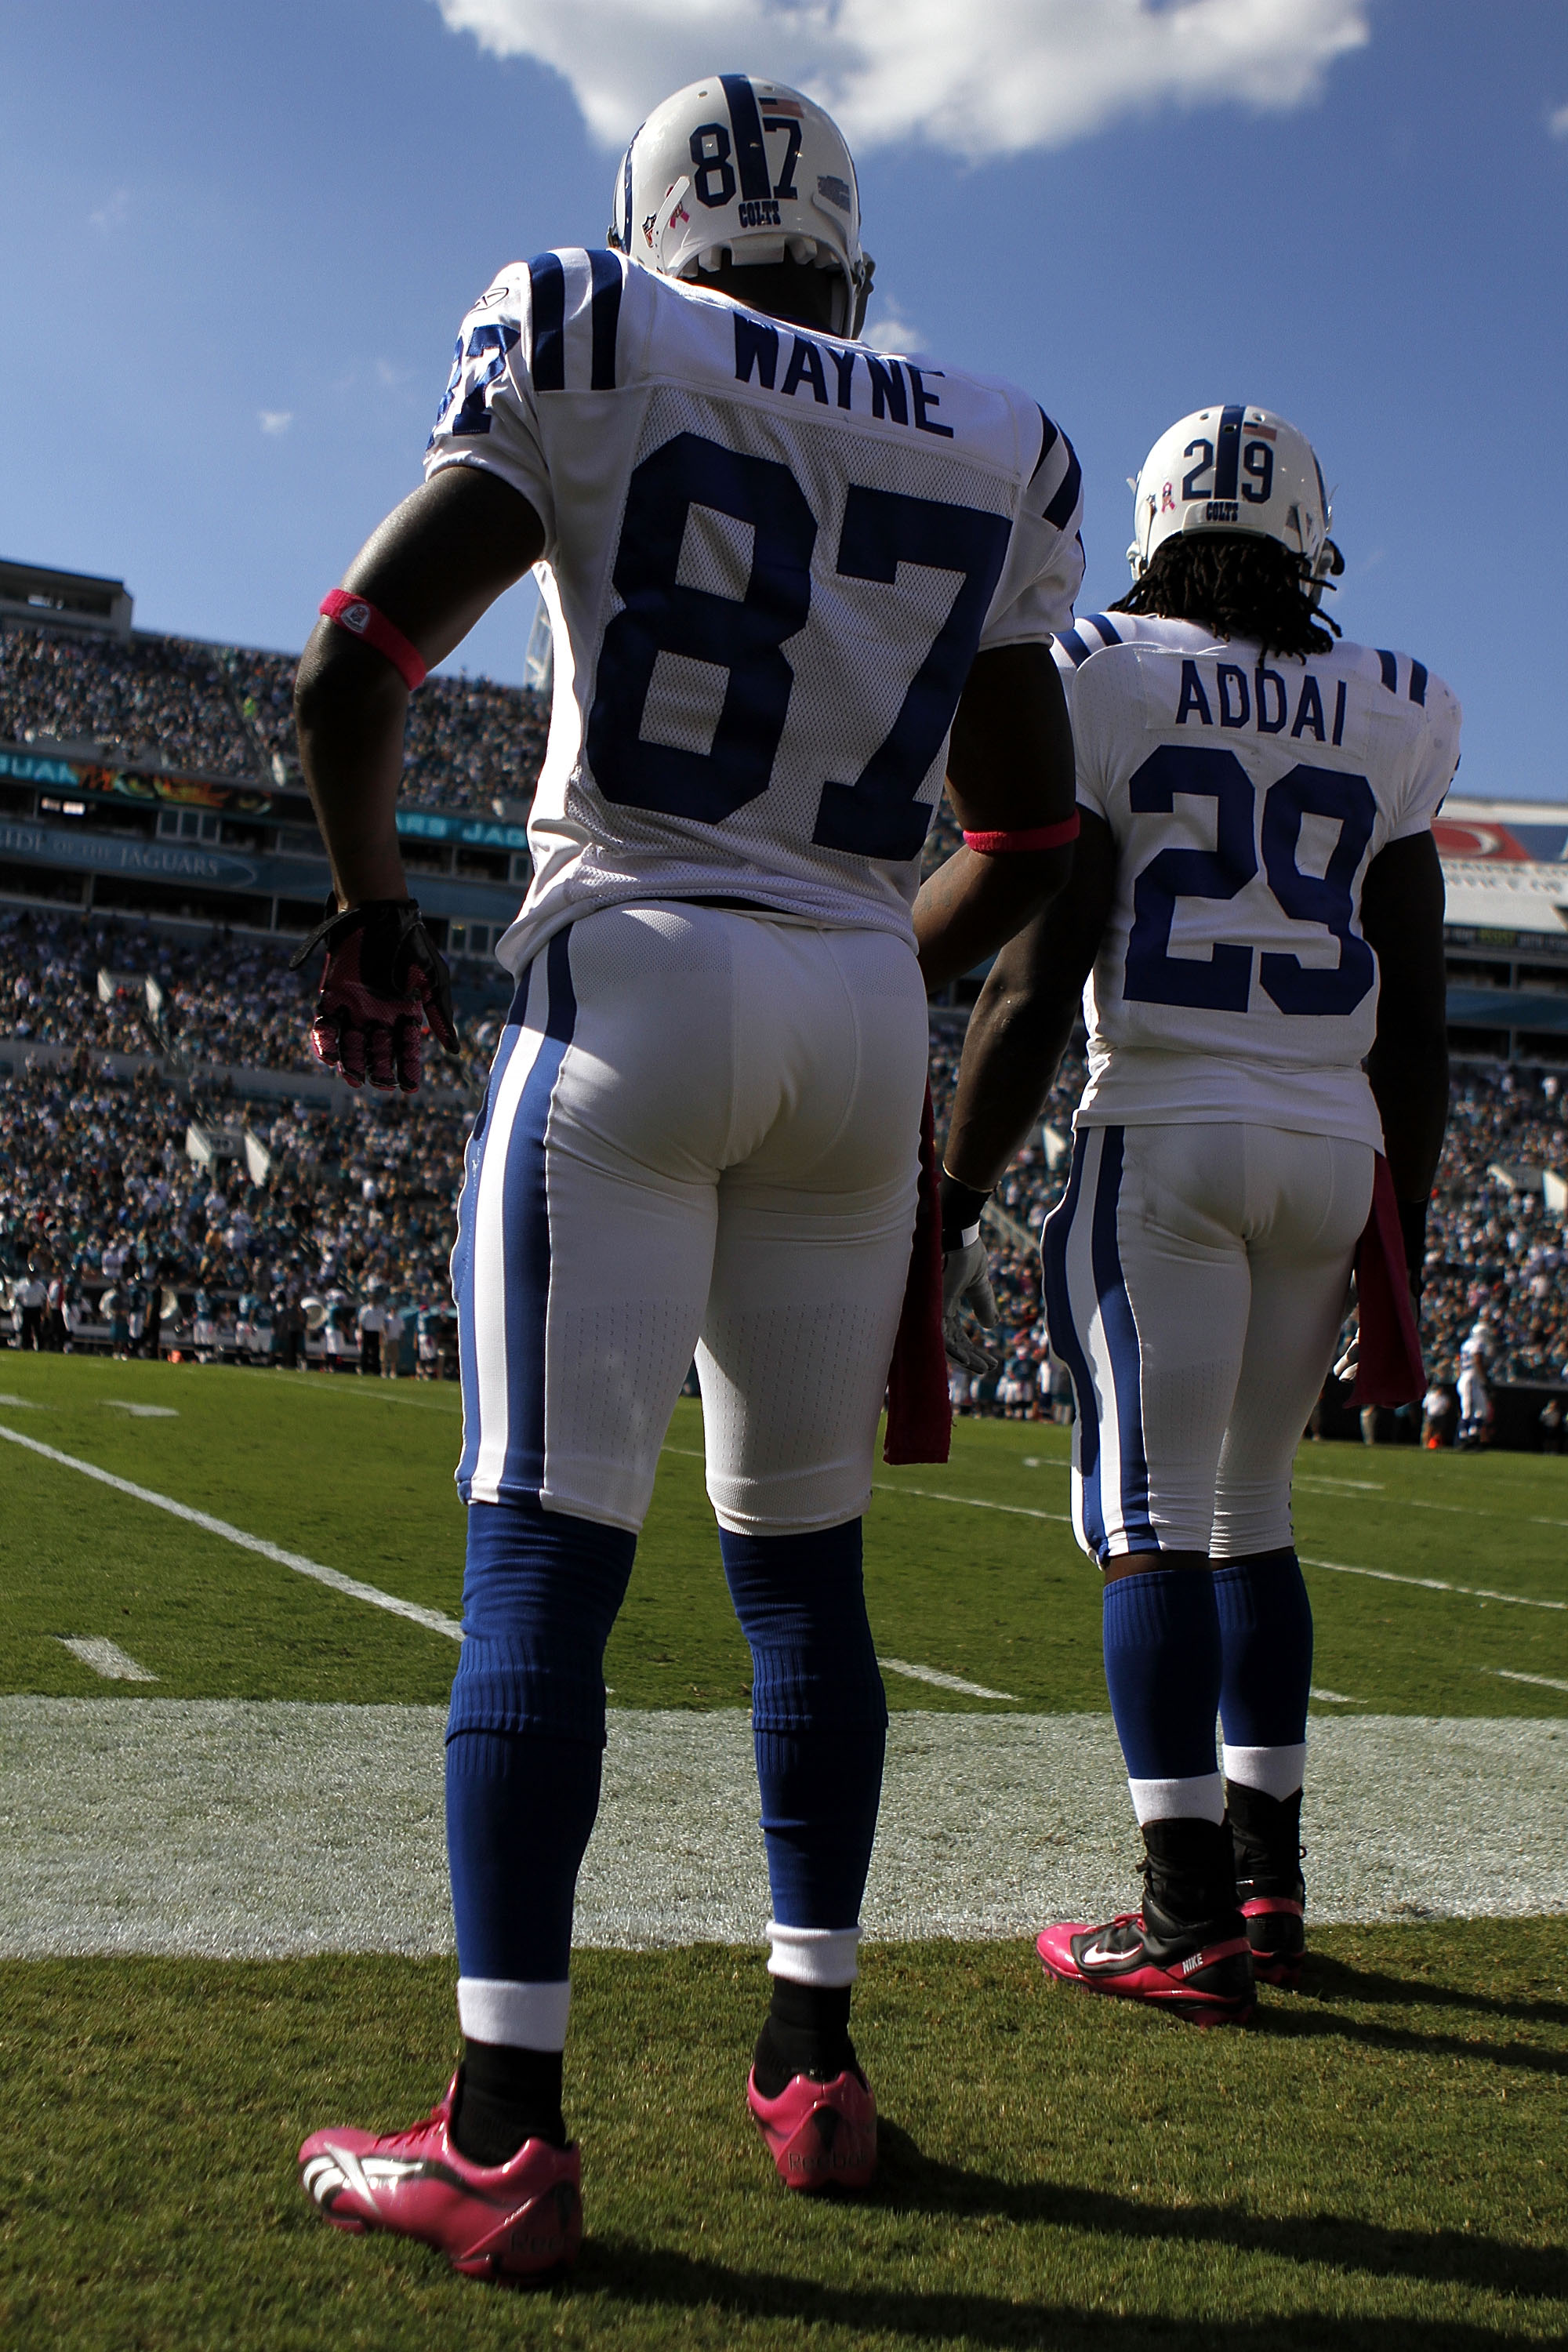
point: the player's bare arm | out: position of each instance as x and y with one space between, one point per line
1401 920
433 566
1019 1028
1009 772
410 595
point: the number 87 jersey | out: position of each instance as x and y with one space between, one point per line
1249 795
771 557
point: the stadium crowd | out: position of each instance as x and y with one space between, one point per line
1497 1256
226 711
224 999
87 1162
99 1195
89 1165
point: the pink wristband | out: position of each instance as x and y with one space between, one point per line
1039 836
358 617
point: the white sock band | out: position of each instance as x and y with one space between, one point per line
523 2016
813 1956
1277 1772
1199 1799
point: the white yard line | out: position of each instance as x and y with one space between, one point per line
105 1658
971 1502
143 1412
948 1682
1512 1674
331 1577
1333 1698
1436 1584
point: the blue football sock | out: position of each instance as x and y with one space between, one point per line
818 1715
1162 1671
1265 1631
526 1733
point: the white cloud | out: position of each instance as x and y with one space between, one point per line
275 420
892 331
1557 122
979 78
110 214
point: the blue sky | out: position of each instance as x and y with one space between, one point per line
238 241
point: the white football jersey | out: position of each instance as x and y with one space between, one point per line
770 559
1248 794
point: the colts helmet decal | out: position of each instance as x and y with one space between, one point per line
1235 469
749 170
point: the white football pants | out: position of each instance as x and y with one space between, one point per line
701 1135
1195 1278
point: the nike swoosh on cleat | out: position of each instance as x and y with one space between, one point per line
1097 1952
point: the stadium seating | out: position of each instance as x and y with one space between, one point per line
368 1193
225 712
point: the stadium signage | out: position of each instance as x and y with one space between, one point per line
132 785
240 799
478 831
168 861
33 770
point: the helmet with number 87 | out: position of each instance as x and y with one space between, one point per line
1235 469
747 171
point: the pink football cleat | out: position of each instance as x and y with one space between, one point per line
1277 1931
820 2135
1209 1982
519 2219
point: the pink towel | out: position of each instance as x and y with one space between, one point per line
1388 1364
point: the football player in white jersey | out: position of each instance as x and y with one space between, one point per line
1258 911
783 570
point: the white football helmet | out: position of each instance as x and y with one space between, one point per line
748 169
1235 469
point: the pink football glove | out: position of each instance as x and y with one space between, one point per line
384 983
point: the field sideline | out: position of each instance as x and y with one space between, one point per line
1378 2156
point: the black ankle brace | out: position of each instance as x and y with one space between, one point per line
806 2033
1189 1874
506 2096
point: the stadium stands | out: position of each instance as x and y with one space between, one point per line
160 834
223 712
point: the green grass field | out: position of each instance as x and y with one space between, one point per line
358 1475
1379 2161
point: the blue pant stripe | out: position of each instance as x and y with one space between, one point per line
1122 1341
527 1217
1065 1341
463 1256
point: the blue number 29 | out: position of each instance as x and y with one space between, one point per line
1223 983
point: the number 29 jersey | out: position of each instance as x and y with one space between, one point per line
771 557
1248 794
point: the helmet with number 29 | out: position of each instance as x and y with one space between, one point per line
1238 470
747 171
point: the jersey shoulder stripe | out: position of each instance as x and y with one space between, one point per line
1057 475
574 311
556 318
1088 636
1417 675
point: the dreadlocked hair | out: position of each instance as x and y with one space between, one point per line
1239 586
